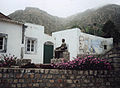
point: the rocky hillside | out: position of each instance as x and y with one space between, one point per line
99 16
37 16
53 23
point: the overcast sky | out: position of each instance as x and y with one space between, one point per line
61 8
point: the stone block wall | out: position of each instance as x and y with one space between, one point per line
53 78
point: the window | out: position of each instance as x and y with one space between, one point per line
31 45
105 47
3 42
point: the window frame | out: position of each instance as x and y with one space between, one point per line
4 45
35 45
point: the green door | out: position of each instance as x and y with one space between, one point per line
48 53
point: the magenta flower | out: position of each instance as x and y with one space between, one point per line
84 63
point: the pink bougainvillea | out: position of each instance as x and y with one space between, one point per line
7 60
84 63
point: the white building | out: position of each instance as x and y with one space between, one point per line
10 37
27 41
35 43
82 43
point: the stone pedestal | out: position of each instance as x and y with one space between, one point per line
65 58
66 55
21 62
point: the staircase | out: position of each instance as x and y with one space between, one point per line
113 56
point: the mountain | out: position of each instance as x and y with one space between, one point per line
37 16
99 16
53 23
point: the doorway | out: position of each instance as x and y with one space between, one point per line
48 52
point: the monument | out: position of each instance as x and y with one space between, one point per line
61 53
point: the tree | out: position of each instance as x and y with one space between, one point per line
110 30
94 29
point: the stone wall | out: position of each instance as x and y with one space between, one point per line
53 78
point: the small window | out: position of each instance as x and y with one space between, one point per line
3 42
31 45
105 47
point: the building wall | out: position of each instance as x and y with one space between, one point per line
48 38
93 44
37 32
14 39
82 43
54 78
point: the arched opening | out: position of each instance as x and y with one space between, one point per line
48 52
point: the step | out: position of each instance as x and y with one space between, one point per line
116 60
116 65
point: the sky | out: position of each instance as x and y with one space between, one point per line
60 8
